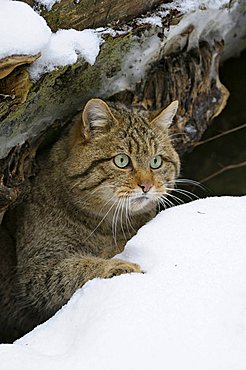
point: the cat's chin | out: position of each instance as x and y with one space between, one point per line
140 204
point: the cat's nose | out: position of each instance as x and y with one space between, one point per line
145 186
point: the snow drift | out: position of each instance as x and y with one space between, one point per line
188 311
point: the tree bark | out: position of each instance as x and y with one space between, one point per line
92 14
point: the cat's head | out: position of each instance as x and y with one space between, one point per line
121 158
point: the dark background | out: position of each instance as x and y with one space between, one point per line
229 150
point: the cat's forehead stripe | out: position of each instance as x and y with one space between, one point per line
138 136
141 139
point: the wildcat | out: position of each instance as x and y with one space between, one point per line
99 184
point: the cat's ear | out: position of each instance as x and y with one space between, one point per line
165 118
97 116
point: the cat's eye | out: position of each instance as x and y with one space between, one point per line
122 160
156 162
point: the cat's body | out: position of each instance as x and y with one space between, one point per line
98 185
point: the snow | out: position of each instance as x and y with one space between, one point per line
134 65
30 34
48 3
64 48
187 6
154 20
205 24
212 20
22 30
188 311
183 7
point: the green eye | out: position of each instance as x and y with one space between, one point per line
122 160
156 162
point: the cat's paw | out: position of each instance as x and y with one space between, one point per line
118 267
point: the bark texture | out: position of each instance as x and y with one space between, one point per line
94 13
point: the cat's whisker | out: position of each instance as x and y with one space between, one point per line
184 192
76 184
124 204
158 199
129 214
177 190
126 214
187 181
100 221
167 201
121 217
109 200
164 202
191 182
105 205
115 222
175 198
117 215
164 198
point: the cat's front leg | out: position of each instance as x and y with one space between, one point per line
47 285
117 266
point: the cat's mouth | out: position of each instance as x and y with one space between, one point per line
137 201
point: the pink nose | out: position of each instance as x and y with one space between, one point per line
145 186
